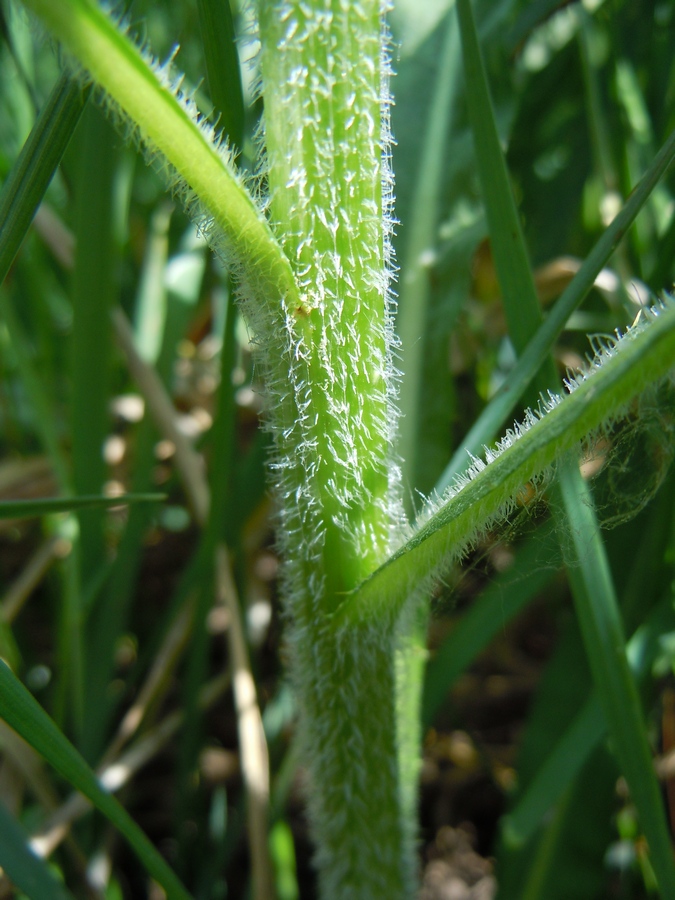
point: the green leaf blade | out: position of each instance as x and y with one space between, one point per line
640 358
24 714
24 509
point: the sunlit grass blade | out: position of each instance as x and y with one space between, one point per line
24 714
283 853
29 179
502 405
26 871
592 586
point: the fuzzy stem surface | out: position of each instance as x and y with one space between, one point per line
324 72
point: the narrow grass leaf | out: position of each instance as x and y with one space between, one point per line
28 509
25 870
601 626
506 235
29 178
503 599
111 615
223 435
501 406
94 292
421 229
223 71
24 714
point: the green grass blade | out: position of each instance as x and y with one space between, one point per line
640 358
557 773
219 524
506 235
151 306
588 728
497 412
41 409
24 869
505 597
24 714
26 509
111 615
568 856
29 179
591 583
223 72
94 294
414 291
601 626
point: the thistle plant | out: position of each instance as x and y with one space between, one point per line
308 244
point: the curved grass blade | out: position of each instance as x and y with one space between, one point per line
166 124
25 715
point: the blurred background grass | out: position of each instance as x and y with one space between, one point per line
95 603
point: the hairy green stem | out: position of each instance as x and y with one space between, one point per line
326 132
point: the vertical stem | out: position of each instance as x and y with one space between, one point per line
326 127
